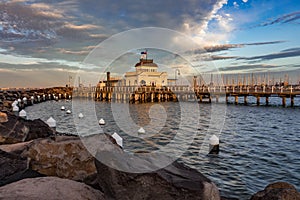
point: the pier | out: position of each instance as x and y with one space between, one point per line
258 92
141 94
144 94
148 84
201 94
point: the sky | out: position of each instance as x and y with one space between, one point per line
45 42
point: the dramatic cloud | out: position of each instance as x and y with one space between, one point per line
64 51
263 43
248 68
58 35
212 58
81 27
216 57
22 62
283 54
224 47
47 11
38 22
75 23
284 19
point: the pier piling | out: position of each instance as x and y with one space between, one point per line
245 100
283 101
236 100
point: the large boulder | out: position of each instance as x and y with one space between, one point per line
277 191
14 168
62 156
49 188
17 130
176 181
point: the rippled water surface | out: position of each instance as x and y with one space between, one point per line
258 144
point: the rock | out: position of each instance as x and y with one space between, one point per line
17 130
277 191
15 148
10 164
3 117
175 181
38 129
49 188
228 198
13 168
63 156
7 104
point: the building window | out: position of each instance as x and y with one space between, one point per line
143 83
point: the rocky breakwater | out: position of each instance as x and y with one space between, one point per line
277 191
33 157
67 157
15 136
27 97
33 154
118 178
49 188
14 129
61 156
45 151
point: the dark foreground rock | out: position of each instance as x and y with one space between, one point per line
277 191
61 156
17 130
14 168
11 164
174 182
49 188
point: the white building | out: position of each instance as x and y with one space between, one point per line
146 74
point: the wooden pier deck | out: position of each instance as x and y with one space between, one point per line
201 94
247 91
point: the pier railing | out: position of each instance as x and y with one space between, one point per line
249 89
246 91
187 92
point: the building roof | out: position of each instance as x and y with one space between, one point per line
145 73
146 62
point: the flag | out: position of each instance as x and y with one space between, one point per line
144 55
